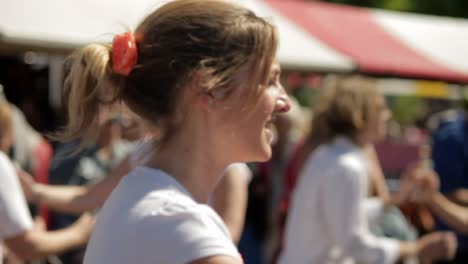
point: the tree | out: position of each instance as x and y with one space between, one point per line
454 8
406 109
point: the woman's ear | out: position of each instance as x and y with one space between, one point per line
201 98
205 100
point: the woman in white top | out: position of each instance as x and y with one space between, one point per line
328 220
17 232
204 74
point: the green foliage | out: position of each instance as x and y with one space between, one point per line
455 8
305 95
406 109
398 5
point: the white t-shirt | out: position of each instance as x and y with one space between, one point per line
150 218
14 213
328 221
141 152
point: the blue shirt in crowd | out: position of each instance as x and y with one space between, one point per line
450 159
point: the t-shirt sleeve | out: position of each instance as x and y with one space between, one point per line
141 153
14 213
183 235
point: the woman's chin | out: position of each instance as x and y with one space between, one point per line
264 158
261 150
261 153
266 152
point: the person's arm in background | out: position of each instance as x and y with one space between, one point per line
454 215
426 191
377 177
73 199
230 196
16 227
342 193
459 196
33 243
382 199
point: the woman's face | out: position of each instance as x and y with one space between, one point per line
251 132
377 125
132 129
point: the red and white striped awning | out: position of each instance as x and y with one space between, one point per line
67 24
313 35
298 48
383 42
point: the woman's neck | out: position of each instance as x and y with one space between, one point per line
192 164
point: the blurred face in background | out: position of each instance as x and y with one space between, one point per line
378 117
109 132
133 129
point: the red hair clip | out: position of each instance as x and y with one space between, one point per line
124 53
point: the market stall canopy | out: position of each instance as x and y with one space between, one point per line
313 35
386 43
67 24
298 48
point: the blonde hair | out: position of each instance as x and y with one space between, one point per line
89 85
344 109
211 41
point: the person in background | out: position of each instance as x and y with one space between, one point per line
23 150
386 223
204 74
16 225
32 152
109 150
229 198
328 220
426 191
450 159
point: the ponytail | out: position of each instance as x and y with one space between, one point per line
89 86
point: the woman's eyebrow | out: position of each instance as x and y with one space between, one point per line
276 70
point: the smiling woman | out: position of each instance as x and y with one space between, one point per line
203 73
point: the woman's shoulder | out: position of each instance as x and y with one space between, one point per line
329 160
5 163
4 158
173 222
182 235
155 193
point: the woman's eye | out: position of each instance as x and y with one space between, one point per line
273 80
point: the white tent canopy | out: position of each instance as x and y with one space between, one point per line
67 24
442 39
